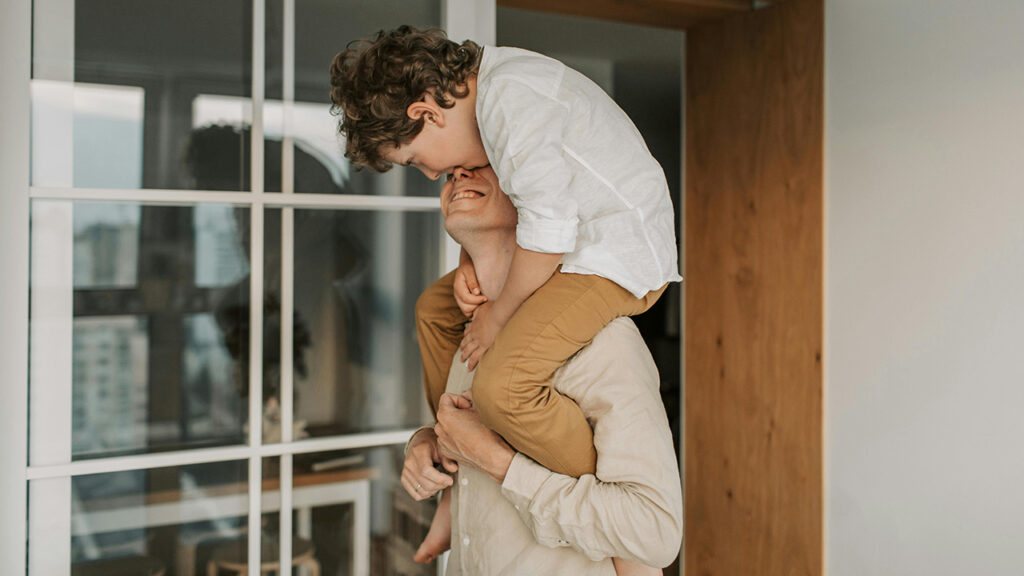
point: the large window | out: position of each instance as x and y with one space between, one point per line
223 361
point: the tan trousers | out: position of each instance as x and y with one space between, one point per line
512 386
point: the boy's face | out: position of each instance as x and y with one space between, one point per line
439 150
449 140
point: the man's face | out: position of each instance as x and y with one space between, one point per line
471 200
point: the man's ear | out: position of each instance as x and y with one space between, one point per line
428 109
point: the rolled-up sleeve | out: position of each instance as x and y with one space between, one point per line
522 131
633 507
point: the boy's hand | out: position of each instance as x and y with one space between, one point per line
467 288
480 334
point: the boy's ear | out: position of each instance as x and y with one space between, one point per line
427 109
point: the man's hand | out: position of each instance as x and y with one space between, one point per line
419 477
480 334
467 287
462 437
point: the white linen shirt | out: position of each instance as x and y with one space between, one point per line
541 523
577 170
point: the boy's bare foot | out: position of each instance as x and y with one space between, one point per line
439 537
631 568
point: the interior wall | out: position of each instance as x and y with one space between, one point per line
925 287
754 289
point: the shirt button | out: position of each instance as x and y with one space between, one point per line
465 541
465 481
516 506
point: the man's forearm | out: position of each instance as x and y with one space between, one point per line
632 520
462 437
497 462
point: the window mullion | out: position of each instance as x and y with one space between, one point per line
287 281
256 286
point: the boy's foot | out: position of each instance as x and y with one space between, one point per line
439 537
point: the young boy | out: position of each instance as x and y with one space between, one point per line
596 235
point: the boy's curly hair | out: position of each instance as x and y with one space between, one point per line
373 82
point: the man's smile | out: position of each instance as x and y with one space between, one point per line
466 188
465 194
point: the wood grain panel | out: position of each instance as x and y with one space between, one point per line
677 14
754 293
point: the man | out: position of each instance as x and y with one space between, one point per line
509 515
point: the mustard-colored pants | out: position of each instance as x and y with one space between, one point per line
512 387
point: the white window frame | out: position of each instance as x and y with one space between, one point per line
15 40
462 18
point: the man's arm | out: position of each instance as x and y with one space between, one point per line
633 508
631 520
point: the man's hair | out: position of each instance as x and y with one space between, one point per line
374 82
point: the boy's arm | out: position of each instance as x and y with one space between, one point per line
528 272
467 287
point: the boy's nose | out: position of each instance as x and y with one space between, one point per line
432 174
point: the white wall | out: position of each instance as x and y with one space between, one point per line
924 287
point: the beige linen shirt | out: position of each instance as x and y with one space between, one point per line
538 522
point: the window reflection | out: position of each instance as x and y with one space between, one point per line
220 258
351 514
357 277
114 101
139 521
106 245
214 405
156 331
311 127
104 124
111 391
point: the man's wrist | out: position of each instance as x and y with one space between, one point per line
500 462
413 439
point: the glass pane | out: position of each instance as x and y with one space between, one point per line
132 97
321 30
350 514
357 277
140 522
139 328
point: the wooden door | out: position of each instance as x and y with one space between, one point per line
754 293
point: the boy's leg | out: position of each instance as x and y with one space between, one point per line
439 328
512 387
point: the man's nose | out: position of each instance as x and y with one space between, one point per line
461 173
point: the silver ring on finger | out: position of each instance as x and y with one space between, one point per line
419 487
